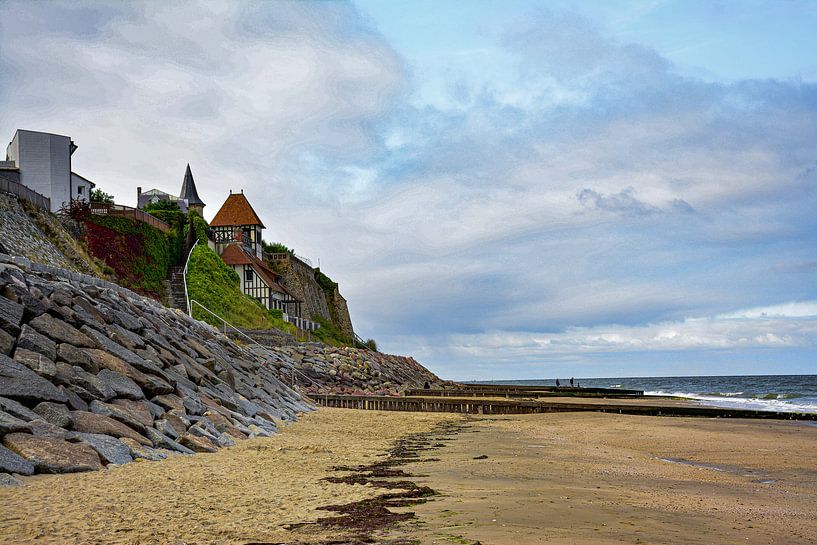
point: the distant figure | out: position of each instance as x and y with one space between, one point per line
426 386
558 383
571 382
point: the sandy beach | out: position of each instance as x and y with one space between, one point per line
581 478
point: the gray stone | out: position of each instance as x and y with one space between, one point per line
110 449
143 452
52 455
36 362
198 443
97 388
127 321
41 428
9 480
11 314
55 413
166 428
12 462
153 386
169 401
156 410
74 401
76 356
128 339
17 410
9 423
19 382
104 343
6 342
36 342
122 385
60 331
162 441
97 423
225 440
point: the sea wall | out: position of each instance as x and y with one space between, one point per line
92 374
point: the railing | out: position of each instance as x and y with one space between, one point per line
110 209
184 277
226 324
21 191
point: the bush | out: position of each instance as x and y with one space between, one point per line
371 345
138 253
275 248
97 195
216 286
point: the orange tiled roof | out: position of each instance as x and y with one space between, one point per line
236 210
234 254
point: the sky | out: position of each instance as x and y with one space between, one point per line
503 190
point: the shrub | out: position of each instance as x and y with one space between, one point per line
216 286
97 195
329 333
275 248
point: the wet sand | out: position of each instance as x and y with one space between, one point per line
582 478
591 478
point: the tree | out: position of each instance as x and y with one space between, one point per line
371 345
97 195
275 248
170 206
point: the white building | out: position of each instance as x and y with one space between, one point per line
43 161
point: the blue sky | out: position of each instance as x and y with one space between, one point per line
504 190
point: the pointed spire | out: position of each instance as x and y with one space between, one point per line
189 189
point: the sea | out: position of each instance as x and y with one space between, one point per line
785 393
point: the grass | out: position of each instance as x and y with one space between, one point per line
216 286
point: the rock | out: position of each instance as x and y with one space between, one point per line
11 314
104 360
36 362
6 342
17 410
51 455
10 424
162 441
19 382
41 428
169 402
127 321
122 385
197 443
138 451
104 343
54 413
12 462
156 386
97 423
60 331
74 401
166 428
225 440
96 387
178 420
154 409
9 480
110 449
76 356
36 342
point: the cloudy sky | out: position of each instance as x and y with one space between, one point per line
502 189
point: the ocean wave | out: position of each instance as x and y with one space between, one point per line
778 403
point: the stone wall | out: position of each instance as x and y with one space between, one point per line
39 236
339 311
299 279
92 374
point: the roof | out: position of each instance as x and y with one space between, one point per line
83 178
236 210
234 254
189 189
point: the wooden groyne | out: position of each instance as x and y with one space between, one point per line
494 406
467 391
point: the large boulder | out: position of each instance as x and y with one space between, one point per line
60 331
10 424
6 342
36 342
12 462
138 451
76 356
19 382
54 413
198 443
16 409
36 362
110 449
94 386
11 314
96 423
52 455
122 385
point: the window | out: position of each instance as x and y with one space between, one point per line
80 189
248 274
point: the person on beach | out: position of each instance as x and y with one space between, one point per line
571 382
558 383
